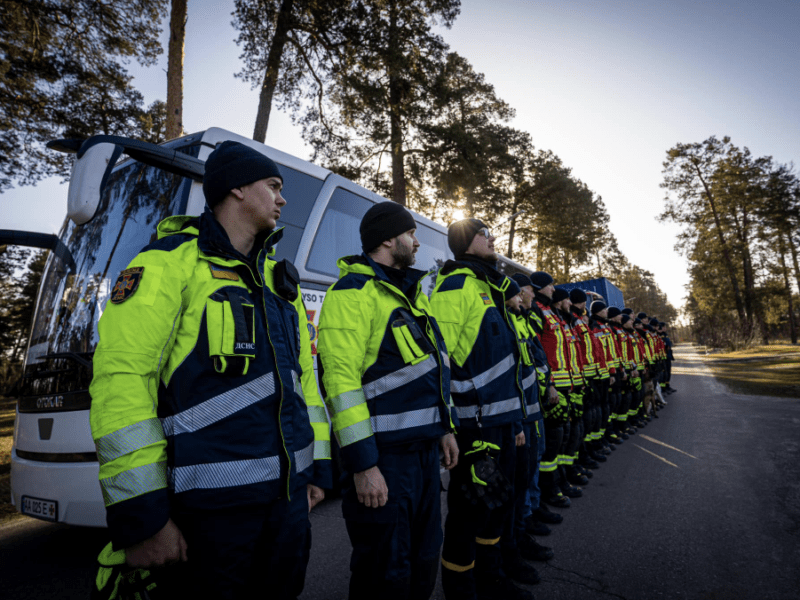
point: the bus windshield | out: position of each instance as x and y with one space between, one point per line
73 293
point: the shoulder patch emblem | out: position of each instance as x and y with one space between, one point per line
220 273
127 284
486 299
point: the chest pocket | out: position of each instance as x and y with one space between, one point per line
414 346
230 319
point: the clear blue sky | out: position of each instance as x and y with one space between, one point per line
607 85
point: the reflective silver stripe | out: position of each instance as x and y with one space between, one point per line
304 458
317 414
224 474
399 378
298 386
134 482
542 370
347 400
354 433
484 378
406 420
489 410
529 381
129 439
322 449
445 359
533 409
217 408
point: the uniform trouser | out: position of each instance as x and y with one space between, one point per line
576 434
549 476
624 406
396 546
615 403
243 552
534 489
602 401
527 457
669 371
591 411
472 532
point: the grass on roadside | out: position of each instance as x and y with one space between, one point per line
7 511
769 377
772 350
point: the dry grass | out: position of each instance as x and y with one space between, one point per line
763 371
7 511
772 350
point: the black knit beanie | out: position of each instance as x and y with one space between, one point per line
512 290
577 296
613 311
627 311
559 295
540 280
233 165
461 233
637 321
653 322
625 319
641 316
597 306
522 280
382 222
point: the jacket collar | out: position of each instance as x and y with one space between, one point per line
213 239
364 265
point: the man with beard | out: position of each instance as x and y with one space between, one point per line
469 305
386 378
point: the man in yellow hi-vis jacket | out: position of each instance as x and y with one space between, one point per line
386 377
212 438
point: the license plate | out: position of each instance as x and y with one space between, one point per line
41 509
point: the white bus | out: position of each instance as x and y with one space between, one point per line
114 206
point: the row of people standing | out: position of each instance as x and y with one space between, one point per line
458 378
213 439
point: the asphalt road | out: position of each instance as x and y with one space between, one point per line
703 504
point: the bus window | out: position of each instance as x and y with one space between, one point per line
300 191
338 236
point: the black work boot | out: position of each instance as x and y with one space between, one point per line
520 570
545 515
530 549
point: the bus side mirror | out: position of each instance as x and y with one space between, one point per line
90 173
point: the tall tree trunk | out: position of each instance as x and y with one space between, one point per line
737 294
792 324
395 117
177 38
793 249
512 232
282 27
